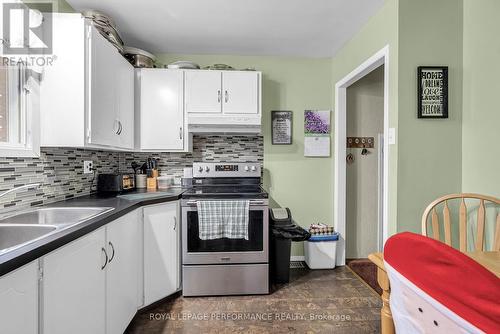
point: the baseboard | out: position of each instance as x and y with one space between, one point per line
297 258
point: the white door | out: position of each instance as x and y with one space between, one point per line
19 300
74 287
161 251
240 92
161 110
123 245
124 101
104 124
203 92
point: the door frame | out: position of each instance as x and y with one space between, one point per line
381 57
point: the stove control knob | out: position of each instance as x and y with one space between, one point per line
246 169
207 169
200 169
254 168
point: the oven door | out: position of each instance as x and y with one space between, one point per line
225 250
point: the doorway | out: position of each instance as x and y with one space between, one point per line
364 130
379 153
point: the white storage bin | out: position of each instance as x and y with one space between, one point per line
321 251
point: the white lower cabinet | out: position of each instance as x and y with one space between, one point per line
19 300
74 287
96 283
161 251
122 271
91 284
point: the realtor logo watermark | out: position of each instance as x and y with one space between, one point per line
27 28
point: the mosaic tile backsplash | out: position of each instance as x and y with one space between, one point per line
60 170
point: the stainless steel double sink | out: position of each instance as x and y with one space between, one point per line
27 227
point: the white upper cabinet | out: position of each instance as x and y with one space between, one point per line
203 92
125 103
104 123
223 101
159 112
87 92
240 92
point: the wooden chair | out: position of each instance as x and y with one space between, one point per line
479 242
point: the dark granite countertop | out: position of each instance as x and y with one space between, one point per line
18 257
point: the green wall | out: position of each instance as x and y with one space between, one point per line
302 184
481 89
430 155
380 31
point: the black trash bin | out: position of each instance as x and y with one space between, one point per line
282 233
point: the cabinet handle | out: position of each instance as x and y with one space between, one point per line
180 132
226 96
175 223
112 255
106 261
120 127
116 126
218 96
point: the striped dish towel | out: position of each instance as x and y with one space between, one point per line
223 219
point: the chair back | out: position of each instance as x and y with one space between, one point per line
483 201
438 289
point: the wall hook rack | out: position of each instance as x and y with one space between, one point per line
360 142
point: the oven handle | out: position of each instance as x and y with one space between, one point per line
252 202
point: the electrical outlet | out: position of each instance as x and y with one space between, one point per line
88 167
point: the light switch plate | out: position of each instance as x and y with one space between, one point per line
391 137
88 167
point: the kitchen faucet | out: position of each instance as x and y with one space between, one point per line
26 186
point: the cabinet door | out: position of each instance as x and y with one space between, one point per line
122 271
161 251
103 119
19 300
124 101
203 92
74 287
161 110
241 92
62 90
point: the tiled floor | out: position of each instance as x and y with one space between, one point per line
320 301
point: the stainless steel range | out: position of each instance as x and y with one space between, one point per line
221 265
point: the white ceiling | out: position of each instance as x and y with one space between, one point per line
310 28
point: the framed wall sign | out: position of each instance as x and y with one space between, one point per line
432 91
281 127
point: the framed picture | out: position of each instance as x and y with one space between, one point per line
432 91
281 127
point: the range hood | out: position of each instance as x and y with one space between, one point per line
224 124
